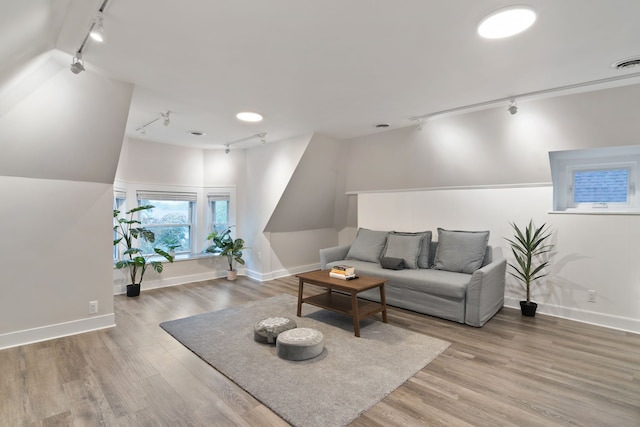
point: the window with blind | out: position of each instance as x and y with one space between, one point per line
218 211
171 220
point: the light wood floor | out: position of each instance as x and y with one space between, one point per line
513 371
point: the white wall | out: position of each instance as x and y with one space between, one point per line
61 136
54 260
269 170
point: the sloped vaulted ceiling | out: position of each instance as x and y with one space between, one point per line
54 124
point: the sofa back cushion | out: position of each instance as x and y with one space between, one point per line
368 245
425 256
404 246
460 251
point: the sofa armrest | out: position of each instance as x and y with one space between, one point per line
485 293
336 253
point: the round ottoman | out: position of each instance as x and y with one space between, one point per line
300 344
266 330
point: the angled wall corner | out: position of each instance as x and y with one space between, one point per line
314 197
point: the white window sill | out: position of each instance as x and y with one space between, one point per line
180 257
594 212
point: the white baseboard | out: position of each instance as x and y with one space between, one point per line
599 319
263 277
49 332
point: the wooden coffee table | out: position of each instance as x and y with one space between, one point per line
350 304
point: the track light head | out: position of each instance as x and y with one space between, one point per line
77 65
419 124
97 29
166 118
227 150
513 108
262 137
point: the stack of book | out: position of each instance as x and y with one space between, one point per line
344 272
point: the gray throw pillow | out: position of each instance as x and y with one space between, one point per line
405 247
423 257
460 251
368 245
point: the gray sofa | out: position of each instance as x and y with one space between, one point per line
462 280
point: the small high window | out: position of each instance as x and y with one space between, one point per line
599 180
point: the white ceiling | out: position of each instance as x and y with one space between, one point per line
330 66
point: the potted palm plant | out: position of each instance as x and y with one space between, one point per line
225 245
127 230
528 246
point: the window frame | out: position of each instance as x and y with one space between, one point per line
190 197
601 204
564 165
120 204
212 198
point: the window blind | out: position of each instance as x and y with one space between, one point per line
167 195
215 197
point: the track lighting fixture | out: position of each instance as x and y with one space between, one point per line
165 121
96 32
97 29
166 118
419 123
77 64
513 109
262 136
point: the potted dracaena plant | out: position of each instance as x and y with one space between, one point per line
128 230
223 244
528 246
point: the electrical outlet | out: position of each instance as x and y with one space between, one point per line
93 307
592 296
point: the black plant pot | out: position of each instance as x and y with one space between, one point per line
528 309
133 290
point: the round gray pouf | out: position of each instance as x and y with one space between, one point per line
266 330
300 344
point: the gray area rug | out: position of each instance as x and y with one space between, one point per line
348 377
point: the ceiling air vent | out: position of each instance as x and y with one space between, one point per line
627 63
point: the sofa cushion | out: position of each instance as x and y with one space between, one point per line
445 284
404 246
423 257
460 251
368 245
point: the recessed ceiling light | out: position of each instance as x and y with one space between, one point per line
627 63
247 116
507 22
196 133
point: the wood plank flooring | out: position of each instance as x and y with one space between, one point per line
514 371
